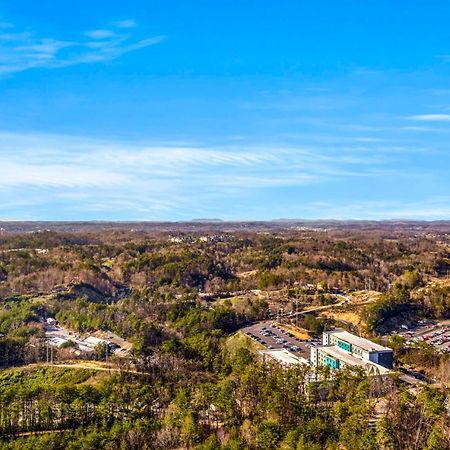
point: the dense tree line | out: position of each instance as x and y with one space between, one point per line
41 262
237 403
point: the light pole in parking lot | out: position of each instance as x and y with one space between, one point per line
49 353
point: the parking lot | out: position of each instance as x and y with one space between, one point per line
57 335
271 336
437 335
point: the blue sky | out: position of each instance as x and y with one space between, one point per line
173 110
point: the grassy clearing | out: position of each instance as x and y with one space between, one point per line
28 377
352 317
240 340
361 297
299 333
233 301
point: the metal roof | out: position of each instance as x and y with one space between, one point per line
363 343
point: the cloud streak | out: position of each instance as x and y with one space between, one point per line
431 208
148 179
127 23
21 51
430 118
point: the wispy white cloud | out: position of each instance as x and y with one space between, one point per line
113 177
365 139
20 51
100 34
416 128
430 117
431 208
55 175
127 23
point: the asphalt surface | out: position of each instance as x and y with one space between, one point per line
273 338
57 334
437 335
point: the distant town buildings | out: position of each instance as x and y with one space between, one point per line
190 239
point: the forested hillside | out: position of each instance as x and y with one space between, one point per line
191 380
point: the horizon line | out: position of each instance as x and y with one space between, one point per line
224 221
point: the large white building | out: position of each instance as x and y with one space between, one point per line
341 348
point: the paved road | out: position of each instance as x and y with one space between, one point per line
409 379
345 301
274 339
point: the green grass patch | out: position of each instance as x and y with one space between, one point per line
42 377
240 340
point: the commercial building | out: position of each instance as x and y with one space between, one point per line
341 348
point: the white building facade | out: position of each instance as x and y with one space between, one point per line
341 348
